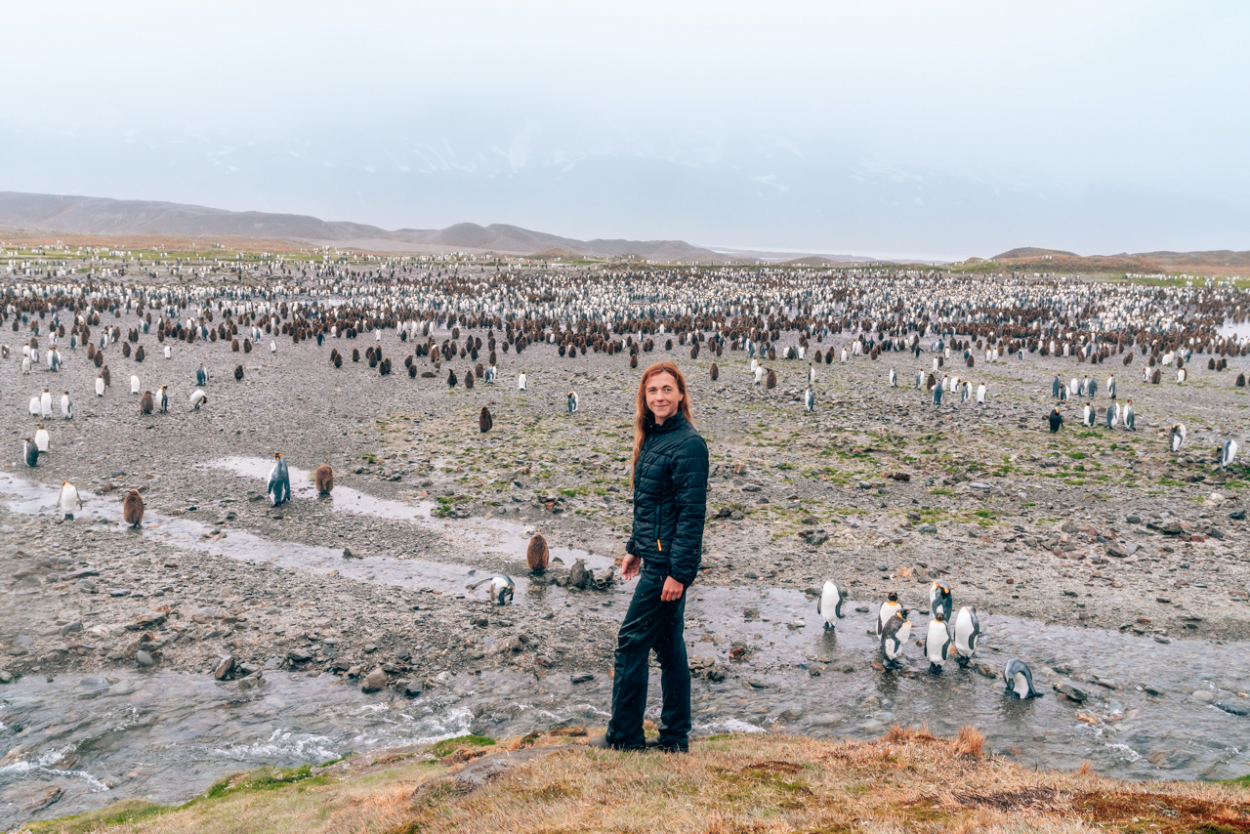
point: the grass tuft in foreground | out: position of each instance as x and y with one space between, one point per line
906 781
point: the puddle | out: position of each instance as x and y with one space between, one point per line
494 535
32 499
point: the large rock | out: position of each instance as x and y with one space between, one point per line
579 577
375 681
224 667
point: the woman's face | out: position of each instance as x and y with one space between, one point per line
663 396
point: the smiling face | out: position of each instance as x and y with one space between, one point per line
663 396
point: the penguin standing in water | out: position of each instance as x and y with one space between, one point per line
1227 452
1020 680
572 401
894 636
888 609
940 601
937 643
809 399
966 633
30 452
132 509
67 407
1176 438
830 605
323 477
99 385
279 488
41 440
69 502
502 588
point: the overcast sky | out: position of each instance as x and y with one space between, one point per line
922 128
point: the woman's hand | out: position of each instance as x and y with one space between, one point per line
672 590
630 566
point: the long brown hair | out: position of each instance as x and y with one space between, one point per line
642 414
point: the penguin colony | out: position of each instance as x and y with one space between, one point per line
886 313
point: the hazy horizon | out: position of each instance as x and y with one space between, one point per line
917 130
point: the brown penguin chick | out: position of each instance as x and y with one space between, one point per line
139 354
132 508
238 373
770 382
484 420
537 556
324 478
146 404
714 372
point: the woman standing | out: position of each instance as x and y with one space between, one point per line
669 474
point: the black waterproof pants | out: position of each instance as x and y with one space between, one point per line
651 624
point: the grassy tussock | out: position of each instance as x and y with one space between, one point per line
906 781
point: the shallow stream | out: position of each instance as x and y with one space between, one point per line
168 735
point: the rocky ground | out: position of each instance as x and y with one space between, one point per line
878 489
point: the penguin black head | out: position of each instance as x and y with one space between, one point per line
277 456
892 596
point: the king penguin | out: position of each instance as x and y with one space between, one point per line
198 398
30 452
279 488
894 638
937 643
888 609
45 404
67 407
69 501
967 632
1227 452
809 399
162 399
201 376
34 406
940 601
1020 680
830 605
1177 437
41 440
99 385
502 588
134 384
893 379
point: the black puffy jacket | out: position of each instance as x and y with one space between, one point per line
670 498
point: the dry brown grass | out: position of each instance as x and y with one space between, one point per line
907 781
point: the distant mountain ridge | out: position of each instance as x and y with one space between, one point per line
103 216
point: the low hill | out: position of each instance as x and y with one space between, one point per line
1032 258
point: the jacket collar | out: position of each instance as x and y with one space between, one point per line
674 422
